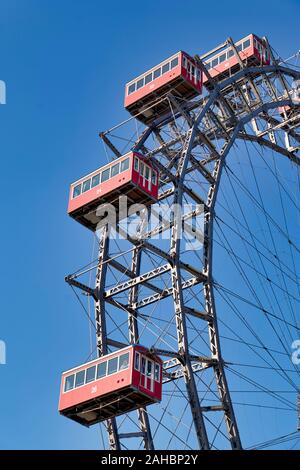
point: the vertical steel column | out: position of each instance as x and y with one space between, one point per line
211 310
133 332
185 359
100 320
182 337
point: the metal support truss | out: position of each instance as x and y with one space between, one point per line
221 381
189 145
101 334
133 331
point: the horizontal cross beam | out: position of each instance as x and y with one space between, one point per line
137 280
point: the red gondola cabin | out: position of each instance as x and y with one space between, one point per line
131 175
252 50
178 73
111 385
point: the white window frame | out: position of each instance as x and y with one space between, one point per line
145 359
149 177
90 381
157 365
121 171
109 168
111 359
129 86
128 363
136 159
85 181
113 166
65 380
73 187
97 174
99 363
137 355
82 385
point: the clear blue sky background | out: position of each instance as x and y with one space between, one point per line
65 65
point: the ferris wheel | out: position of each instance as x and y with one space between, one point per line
195 217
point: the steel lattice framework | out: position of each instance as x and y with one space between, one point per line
189 146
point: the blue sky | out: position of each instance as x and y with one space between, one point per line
65 65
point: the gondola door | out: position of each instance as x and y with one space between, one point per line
147 373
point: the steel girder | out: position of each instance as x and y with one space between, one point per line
198 136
